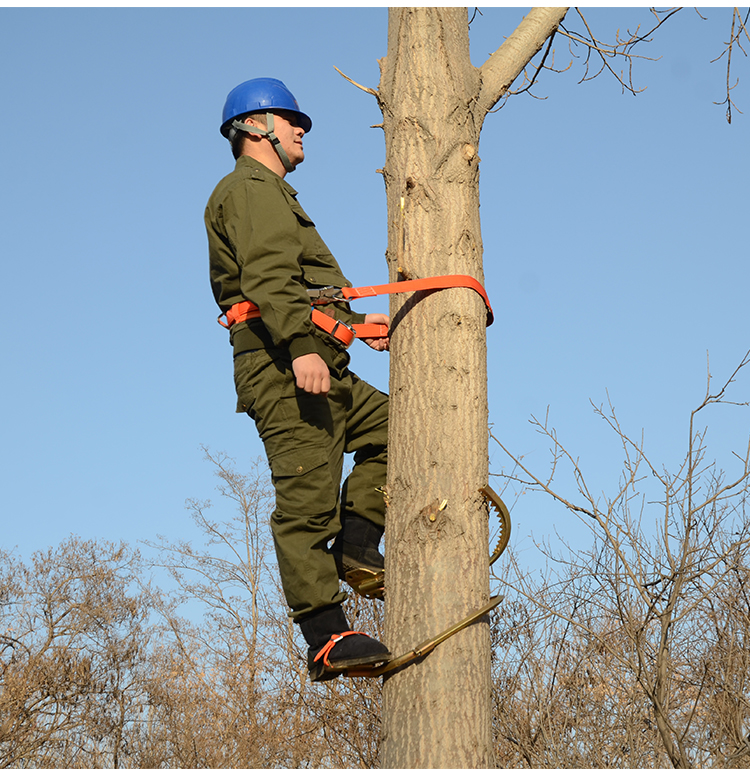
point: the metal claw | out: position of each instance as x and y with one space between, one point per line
426 647
366 583
503 515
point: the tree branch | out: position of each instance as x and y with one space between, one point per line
739 27
364 88
507 63
622 47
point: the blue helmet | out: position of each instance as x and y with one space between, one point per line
263 94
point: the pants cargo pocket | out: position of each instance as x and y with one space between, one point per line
304 484
304 521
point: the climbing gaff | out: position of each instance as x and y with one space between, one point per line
427 646
503 516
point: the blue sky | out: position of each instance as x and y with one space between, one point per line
614 228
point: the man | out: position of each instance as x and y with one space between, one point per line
292 377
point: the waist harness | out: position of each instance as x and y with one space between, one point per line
343 332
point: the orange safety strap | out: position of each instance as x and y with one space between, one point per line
345 333
422 284
335 638
238 313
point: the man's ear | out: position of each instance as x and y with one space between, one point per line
255 124
250 120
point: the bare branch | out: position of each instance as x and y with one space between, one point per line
537 69
622 48
738 29
509 61
371 91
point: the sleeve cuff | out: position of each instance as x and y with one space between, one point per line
302 345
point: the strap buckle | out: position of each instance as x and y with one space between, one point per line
325 295
342 332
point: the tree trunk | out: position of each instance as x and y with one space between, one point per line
436 712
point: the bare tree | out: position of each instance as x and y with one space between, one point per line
437 713
737 36
662 597
434 102
557 699
72 646
89 681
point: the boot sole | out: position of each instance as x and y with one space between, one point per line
321 672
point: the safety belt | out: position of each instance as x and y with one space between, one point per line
345 333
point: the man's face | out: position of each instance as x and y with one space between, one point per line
290 135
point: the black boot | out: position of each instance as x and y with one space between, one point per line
357 557
334 648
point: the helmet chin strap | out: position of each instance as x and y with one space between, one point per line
270 135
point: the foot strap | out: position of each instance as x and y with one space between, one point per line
328 648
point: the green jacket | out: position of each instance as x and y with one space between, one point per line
264 248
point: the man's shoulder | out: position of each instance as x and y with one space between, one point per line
242 174
252 178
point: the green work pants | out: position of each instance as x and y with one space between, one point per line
305 437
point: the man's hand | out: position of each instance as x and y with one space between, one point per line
311 374
377 343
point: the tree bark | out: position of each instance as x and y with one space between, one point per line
436 712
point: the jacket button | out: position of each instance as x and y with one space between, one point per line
299 469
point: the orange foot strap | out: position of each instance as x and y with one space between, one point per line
335 638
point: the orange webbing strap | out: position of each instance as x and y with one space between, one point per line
335 638
346 334
238 313
423 284
339 330
370 330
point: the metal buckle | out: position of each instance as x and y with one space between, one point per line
325 295
333 332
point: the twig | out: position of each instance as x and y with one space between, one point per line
364 88
620 47
733 38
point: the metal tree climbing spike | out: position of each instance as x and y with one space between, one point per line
374 587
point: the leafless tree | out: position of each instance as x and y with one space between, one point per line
434 102
737 36
73 642
660 598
